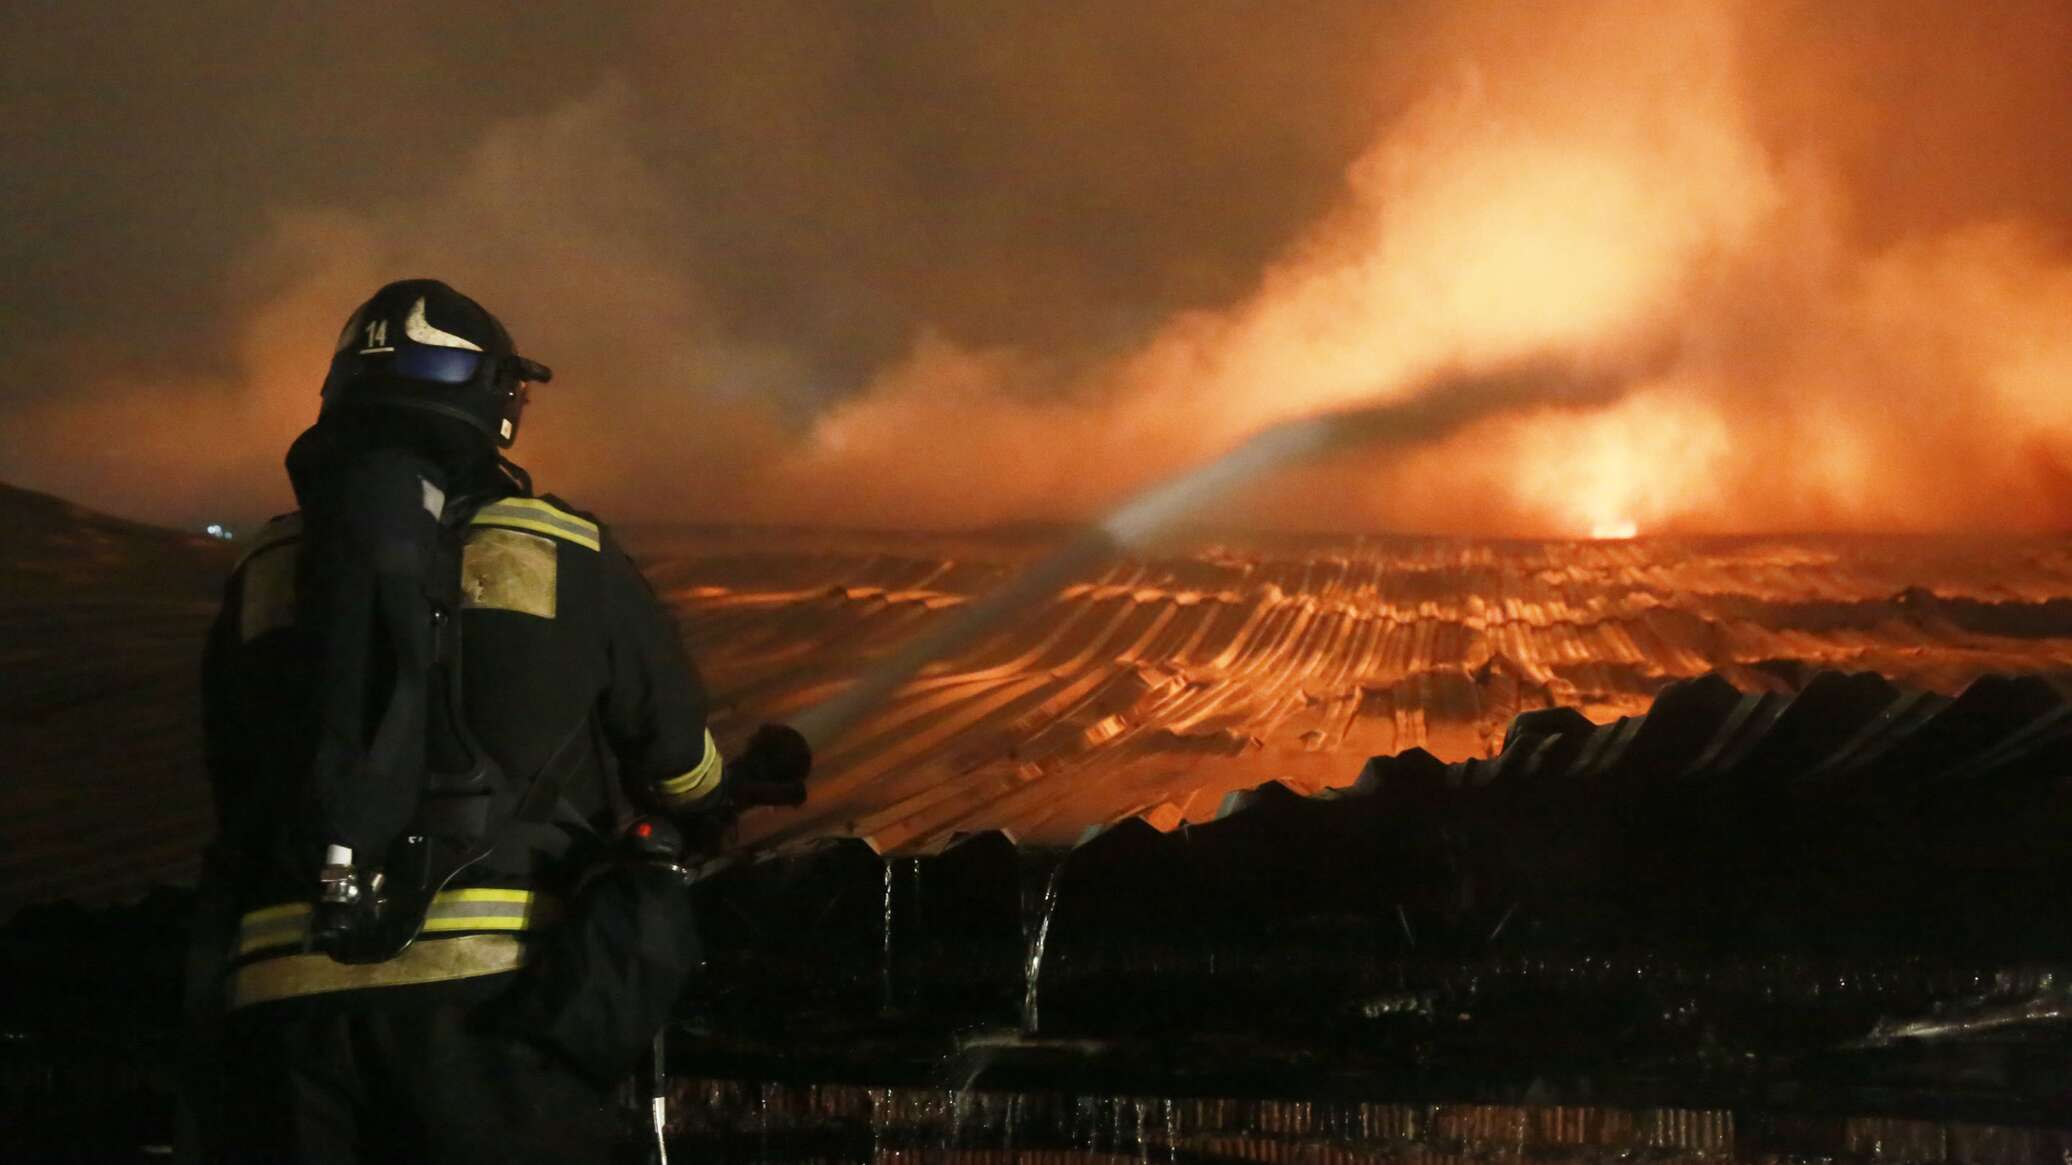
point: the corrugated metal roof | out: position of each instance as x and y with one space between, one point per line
1153 686
101 626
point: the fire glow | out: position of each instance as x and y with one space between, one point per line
1866 286
1603 190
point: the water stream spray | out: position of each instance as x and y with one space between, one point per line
1442 405
1040 880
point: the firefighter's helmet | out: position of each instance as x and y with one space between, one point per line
419 344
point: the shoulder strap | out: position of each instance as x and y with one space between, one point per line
543 801
526 829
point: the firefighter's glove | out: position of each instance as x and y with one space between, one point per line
772 770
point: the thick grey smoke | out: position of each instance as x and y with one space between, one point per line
715 221
942 265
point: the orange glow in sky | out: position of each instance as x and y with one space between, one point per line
1852 296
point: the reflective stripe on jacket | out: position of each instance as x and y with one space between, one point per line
272 944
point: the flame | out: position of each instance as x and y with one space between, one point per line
1606 187
1559 207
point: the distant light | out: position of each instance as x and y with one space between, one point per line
1611 531
218 530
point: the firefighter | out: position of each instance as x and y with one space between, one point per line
456 746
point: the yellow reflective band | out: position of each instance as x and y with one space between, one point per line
485 894
494 909
480 908
283 926
425 962
700 780
489 912
540 518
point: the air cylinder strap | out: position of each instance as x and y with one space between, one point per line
477 909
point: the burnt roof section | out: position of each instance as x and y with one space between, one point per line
1151 689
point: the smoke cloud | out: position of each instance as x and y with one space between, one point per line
917 268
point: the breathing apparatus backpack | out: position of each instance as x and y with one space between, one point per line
400 797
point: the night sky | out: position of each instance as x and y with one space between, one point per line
944 265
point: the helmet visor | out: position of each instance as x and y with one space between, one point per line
439 365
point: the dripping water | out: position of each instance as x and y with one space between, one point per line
881 1104
885 960
1014 1112
1086 1119
959 1075
762 1120
1039 904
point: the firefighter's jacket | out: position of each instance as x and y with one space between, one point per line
560 635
